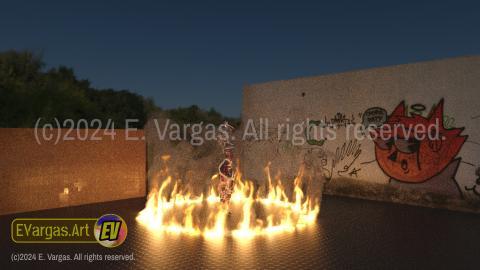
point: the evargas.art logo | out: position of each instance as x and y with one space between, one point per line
110 230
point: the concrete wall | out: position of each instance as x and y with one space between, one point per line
435 175
73 172
192 166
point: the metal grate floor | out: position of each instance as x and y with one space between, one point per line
350 234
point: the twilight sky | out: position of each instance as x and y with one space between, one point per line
204 52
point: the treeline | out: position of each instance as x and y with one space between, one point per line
28 92
194 114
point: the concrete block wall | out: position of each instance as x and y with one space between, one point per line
436 174
35 177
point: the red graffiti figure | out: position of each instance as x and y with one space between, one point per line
406 158
225 169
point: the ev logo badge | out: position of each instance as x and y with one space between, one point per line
110 230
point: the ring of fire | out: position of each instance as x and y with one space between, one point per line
180 212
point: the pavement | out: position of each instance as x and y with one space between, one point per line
350 234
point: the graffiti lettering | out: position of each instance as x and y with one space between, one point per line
338 120
375 116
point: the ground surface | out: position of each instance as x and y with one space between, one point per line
350 234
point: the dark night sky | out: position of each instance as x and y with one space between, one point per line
184 53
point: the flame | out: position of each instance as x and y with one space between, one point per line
173 210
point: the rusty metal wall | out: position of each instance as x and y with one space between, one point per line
41 176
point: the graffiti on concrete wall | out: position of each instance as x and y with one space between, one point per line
344 162
433 164
473 188
339 120
375 116
406 158
443 161
437 162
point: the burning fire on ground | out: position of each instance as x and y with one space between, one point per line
171 209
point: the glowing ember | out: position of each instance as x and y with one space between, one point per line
170 209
